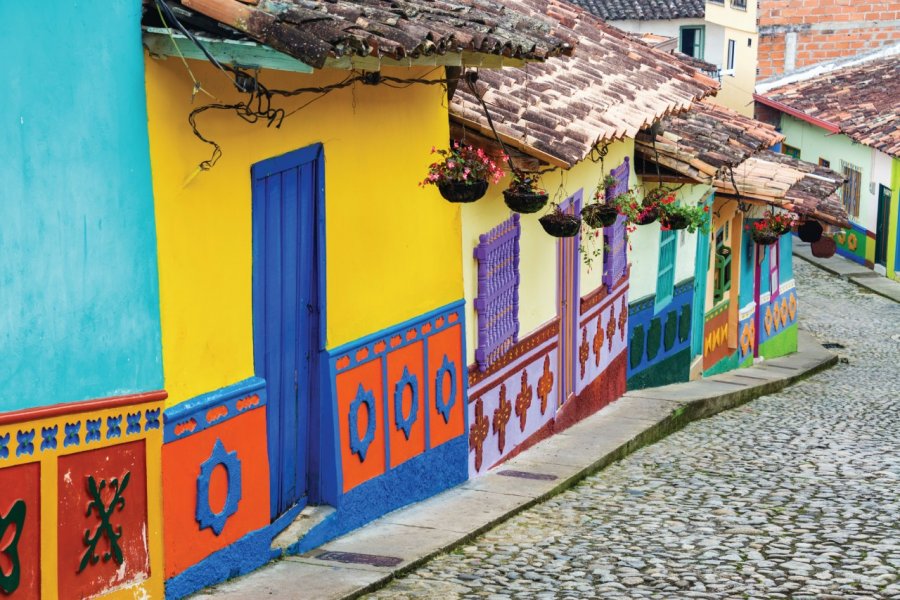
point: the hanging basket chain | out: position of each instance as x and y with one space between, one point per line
471 77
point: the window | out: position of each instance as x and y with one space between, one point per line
692 41
497 302
615 253
722 274
729 63
853 175
741 4
824 163
790 151
773 268
665 277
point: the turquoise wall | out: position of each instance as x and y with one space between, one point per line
79 301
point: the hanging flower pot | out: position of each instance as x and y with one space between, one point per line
599 215
560 224
463 173
463 191
810 231
825 247
523 197
675 222
648 215
764 237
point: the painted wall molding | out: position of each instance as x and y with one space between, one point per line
194 415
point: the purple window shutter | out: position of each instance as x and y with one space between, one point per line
497 302
615 258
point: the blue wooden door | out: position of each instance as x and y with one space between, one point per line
701 272
286 193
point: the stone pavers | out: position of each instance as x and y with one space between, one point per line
795 495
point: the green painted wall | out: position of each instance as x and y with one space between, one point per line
726 364
782 344
893 261
670 370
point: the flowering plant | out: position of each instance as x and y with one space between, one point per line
526 183
774 223
634 210
462 163
678 216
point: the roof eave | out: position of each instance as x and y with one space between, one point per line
782 107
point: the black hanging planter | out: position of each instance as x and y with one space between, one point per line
764 238
463 191
675 222
599 215
561 225
647 216
524 200
810 231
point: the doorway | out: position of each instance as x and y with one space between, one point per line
568 268
882 225
288 192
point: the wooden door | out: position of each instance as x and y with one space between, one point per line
286 193
568 269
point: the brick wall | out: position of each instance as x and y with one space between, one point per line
807 32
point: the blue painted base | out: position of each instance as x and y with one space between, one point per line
413 481
851 256
245 555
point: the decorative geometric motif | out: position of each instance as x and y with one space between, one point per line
611 327
501 418
151 419
360 445
9 582
113 427
776 315
48 437
784 312
72 434
134 423
104 513
599 338
623 319
232 465
405 423
24 442
523 401
768 320
747 335
478 432
442 406
93 430
4 446
792 307
584 351
545 384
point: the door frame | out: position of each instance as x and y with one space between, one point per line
882 224
317 417
702 270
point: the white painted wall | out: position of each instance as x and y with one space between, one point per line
715 34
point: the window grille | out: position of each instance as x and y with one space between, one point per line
497 302
615 253
853 175
665 277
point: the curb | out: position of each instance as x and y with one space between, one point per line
856 278
427 529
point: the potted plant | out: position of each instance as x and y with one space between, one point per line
523 196
601 213
677 216
810 231
635 211
765 231
463 173
560 224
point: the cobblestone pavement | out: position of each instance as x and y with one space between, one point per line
795 495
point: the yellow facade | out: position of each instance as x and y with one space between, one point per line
537 249
739 25
152 586
392 248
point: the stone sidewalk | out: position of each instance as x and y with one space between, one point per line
851 271
406 538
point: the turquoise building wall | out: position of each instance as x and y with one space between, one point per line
80 305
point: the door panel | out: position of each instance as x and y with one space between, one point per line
568 269
701 274
285 309
882 225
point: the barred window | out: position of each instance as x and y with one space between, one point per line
497 302
615 253
665 277
853 175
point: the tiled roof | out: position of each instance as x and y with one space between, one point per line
611 87
712 144
644 10
795 185
704 141
861 101
314 32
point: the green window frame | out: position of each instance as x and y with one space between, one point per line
790 151
697 47
665 276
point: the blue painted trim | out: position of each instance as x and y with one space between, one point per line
197 407
351 348
405 422
232 465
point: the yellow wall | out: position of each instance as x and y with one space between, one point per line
537 249
392 248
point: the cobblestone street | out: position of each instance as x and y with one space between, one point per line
795 495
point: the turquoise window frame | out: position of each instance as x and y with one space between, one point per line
665 274
701 29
